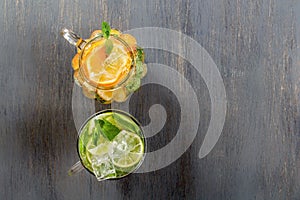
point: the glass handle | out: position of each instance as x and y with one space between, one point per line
76 168
73 38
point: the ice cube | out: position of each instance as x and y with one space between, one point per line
122 146
101 149
103 167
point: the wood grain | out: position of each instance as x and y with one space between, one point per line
255 45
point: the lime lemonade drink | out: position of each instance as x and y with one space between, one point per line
111 144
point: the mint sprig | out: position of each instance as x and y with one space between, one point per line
106 33
105 30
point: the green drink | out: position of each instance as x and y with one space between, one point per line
111 144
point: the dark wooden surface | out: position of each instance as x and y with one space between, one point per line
255 45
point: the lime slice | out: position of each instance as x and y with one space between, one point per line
128 149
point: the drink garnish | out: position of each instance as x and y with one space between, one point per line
106 33
108 130
105 30
139 62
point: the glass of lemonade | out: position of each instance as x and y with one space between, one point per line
111 144
107 68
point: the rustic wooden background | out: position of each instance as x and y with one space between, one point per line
255 45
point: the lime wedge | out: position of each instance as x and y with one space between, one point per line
128 150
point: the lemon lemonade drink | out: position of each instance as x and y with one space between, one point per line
109 65
111 144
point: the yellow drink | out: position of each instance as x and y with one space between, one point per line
107 69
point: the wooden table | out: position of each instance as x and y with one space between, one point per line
255 58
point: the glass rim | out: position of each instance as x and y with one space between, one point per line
120 112
86 79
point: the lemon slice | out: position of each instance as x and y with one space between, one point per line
128 149
95 62
120 95
107 70
129 39
106 95
116 66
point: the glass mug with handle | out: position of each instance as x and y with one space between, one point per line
108 66
111 145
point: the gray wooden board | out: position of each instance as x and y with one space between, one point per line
255 46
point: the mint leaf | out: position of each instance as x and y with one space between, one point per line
126 123
105 30
140 54
106 33
133 84
108 46
107 129
97 132
139 69
139 62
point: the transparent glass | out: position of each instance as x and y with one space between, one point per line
86 163
123 54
